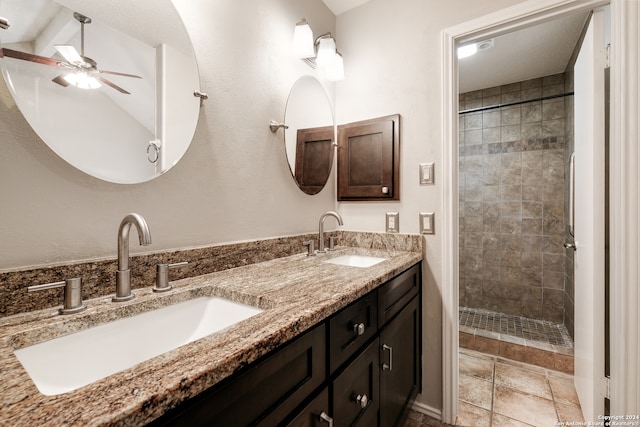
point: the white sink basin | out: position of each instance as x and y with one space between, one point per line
72 361
361 261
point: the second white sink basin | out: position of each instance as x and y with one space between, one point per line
361 261
66 363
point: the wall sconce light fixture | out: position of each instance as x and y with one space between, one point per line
320 52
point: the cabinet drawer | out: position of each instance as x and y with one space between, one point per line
355 391
397 292
351 328
265 393
315 414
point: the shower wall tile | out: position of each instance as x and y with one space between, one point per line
512 200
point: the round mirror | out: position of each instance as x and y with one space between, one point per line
108 85
310 136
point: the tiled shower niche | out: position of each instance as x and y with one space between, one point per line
512 258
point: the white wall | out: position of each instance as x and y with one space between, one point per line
233 183
392 51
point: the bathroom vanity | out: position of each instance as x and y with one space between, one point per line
336 341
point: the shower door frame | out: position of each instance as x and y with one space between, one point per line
625 344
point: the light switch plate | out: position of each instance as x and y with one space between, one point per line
426 173
393 222
427 223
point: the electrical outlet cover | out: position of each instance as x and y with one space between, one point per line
392 222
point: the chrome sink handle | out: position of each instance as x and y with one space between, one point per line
162 276
310 247
72 294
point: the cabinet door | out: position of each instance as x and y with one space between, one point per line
264 393
351 328
400 373
369 159
315 414
355 391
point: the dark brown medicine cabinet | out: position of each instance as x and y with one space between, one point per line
369 160
360 367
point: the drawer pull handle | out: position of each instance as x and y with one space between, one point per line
363 400
390 365
359 328
326 418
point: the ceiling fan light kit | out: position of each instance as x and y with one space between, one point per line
80 70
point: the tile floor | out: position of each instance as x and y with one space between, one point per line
496 392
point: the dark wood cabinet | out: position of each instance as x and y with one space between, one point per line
356 390
400 373
315 413
369 159
351 328
359 367
262 394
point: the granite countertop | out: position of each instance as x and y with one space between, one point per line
295 292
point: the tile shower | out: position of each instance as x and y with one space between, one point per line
512 202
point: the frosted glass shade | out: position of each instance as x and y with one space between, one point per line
303 40
82 80
326 51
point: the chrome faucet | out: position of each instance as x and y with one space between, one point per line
324 216
123 275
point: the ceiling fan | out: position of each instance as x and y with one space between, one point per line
80 70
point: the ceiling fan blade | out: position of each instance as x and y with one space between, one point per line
119 74
30 57
60 80
69 53
113 85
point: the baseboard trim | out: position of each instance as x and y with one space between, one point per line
427 410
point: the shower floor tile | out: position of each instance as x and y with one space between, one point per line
518 330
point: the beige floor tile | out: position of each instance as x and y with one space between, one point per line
476 367
523 407
569 413
472 416
502 421
475 391
524 380
563 390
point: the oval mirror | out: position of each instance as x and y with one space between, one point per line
309 138
107 85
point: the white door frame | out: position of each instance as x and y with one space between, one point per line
624 181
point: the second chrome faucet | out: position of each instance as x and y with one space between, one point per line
324 216
123 274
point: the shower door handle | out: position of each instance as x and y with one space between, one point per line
572 201
572 193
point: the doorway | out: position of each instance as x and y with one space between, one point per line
517 17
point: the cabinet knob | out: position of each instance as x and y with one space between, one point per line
385 190
363 400
359 328
326 419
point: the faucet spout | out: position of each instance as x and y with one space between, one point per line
123 274
324 216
